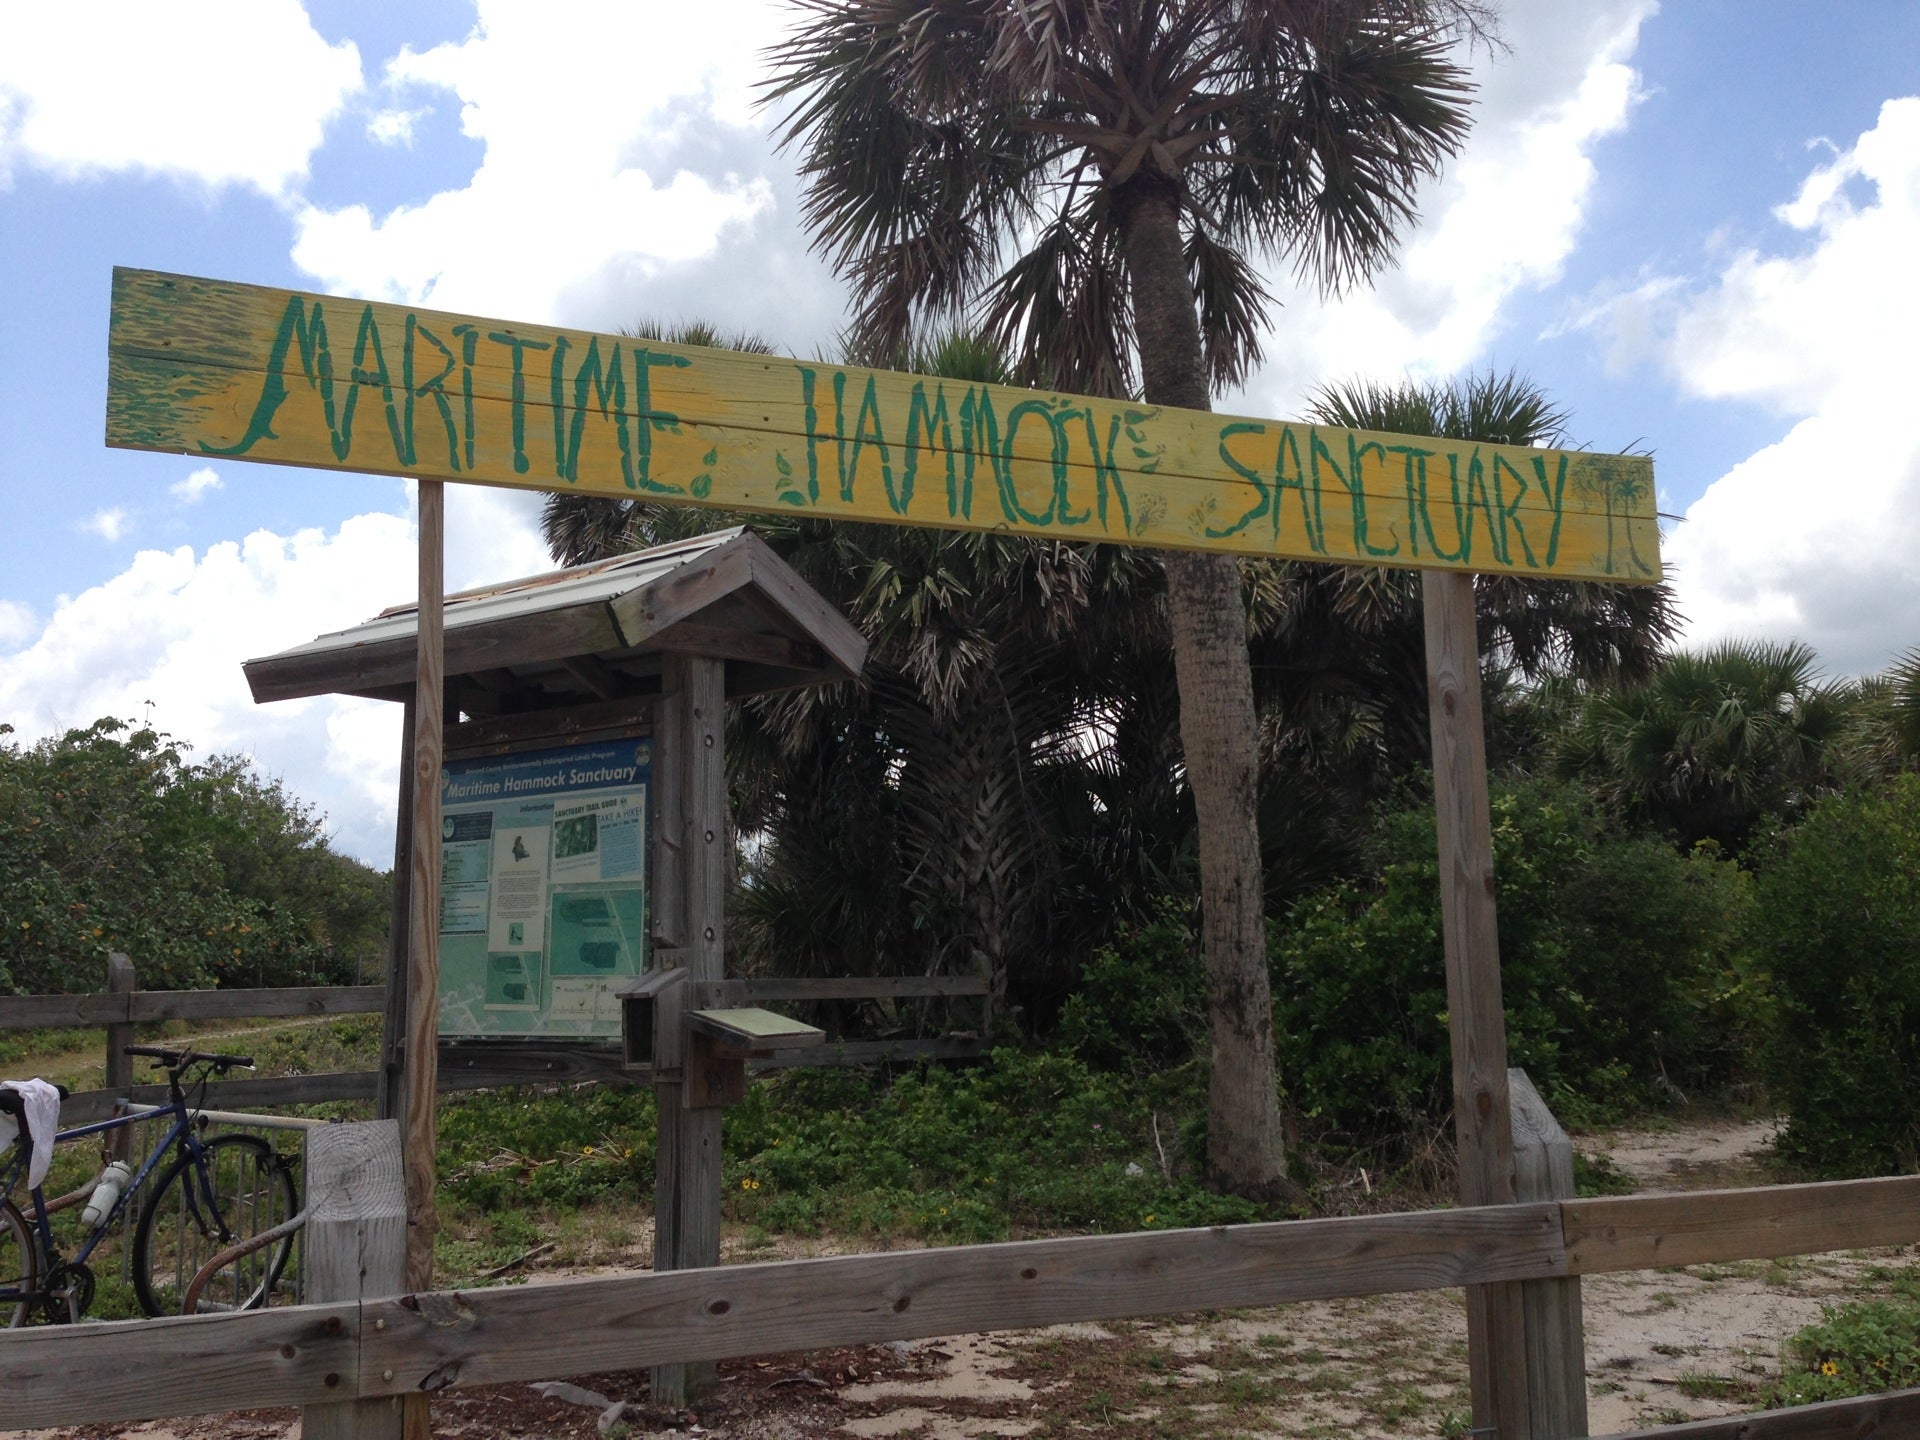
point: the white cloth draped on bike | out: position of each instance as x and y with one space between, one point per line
40 1108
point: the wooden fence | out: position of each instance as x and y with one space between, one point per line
349 1353
360 1345
464 1065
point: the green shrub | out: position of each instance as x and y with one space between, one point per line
1142 1000
1861 1348
1836 928
1618 966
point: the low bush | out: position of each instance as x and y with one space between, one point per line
1836 930
1619 967
1863 1347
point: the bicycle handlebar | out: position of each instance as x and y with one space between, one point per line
170 1059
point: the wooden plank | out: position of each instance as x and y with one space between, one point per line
487 1336
184 1365
1644 1232
1554 1325
150 1006
780 585
643 614
209 367
722 643
1476 1023
858 987
423 885
142 1007
83 1107
875 1052
1893 1414
480 1064
390 1099
751 1028
37 1012
519 640
561 726
354 1247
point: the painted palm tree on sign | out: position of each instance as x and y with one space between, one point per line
1098 178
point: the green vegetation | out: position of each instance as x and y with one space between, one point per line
1019 1142
1837 931
1618 966
1861 1347
111 838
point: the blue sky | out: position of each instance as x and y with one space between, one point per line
1695 224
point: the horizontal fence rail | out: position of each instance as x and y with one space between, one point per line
381 1347
463 1065
142 1007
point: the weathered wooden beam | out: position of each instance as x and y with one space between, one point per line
1476 1023
150 1006
420 1144
390 1101
185 1365
354 1248
210 367
152 1369
142 1007
1643 1232
486 1336
857 987
1554 1327
121 982
562 725
1894 1414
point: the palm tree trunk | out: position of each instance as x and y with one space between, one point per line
1218 731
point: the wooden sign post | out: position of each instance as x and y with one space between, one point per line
219 370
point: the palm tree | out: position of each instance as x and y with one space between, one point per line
1352 633
1097 174
1714 741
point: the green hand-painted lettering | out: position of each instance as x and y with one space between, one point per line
434 385
519 347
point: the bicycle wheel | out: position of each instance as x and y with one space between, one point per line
244 1190
19 1266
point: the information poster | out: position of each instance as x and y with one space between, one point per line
543 912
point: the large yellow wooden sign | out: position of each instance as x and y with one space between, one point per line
221 370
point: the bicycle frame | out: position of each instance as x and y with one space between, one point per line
180 1132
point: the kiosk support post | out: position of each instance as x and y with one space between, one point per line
692 750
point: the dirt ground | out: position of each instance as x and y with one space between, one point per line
1662 1346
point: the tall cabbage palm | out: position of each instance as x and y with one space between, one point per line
1098 175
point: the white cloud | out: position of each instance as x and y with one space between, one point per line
226 92
1814 536
1502 218
394 127
109 524
196 487
17 623
174 627
580 123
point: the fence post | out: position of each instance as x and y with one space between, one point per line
1555 1334
355 1248
120 981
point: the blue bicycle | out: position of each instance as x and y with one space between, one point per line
212 1196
